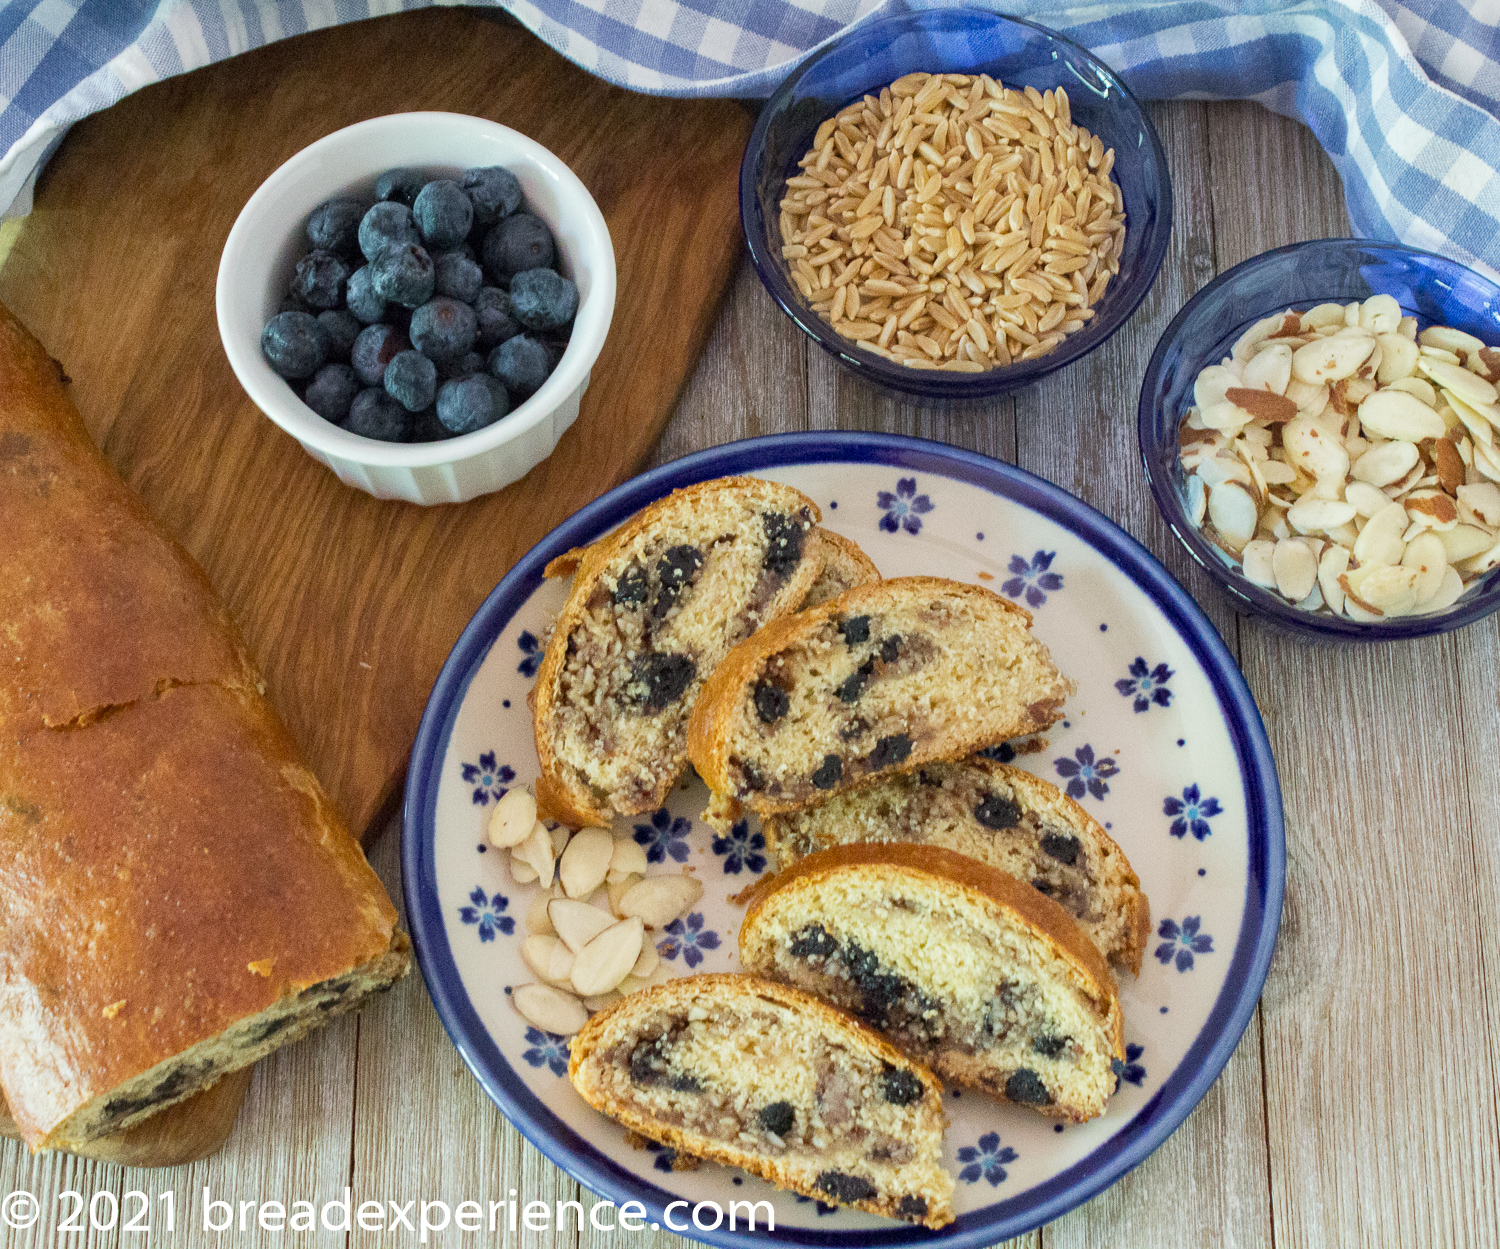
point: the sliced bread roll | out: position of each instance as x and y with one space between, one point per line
655 606
1001 816
962 966
844 567
761 1076
884 678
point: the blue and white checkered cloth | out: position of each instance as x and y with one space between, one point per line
1404 95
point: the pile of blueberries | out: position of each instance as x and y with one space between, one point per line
427 315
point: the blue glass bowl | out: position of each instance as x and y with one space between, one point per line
1018 54
1431 288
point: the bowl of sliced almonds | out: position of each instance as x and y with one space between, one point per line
1321 429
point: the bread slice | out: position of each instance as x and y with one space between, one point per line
884 678
1001 816
761 1076
844 567
655 606
963 967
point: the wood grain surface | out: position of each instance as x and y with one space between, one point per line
350 604
1360 1108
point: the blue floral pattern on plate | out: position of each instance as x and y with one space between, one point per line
1181 941
688 938
823 1206
489 777
904 509
741 849
1192 811
1131 1071
1032 579
1147 685
664 837
665 1155
986 1161
1086 774
547 1049
488 914
531 653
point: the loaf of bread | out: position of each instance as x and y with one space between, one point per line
654 607
177 896
845 566
963 967
761 1076
884 678
1001 816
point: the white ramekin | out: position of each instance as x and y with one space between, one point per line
267 239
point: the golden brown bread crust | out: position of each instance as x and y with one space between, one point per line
1040 795
556 798
999 889
191 1129
822 1014
844 567
99 605
722 693
158 832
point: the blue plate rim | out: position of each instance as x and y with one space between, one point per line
1152 1124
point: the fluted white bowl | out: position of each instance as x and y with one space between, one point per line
268 238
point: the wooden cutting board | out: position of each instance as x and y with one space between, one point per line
350 604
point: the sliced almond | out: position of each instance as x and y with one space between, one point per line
658 900
1431 508
1476 565
560 964
1447 593
577 923
1385 463
1379 541
1398 358
1296 569
1425 556
617 889
1310 514
1390 590
536 953
536 853
582 867
560 836
1486 364
1333 564
1367 499
1464 542
1380 314
598 1001
608 958
512 818
1328 359
1469 387
1255 562
1479 504
537 922
1211 385
1262 404
549 1009
521 871
1396 414
1231 508
627 857
1310 447
646 963
1418 386
1269 369
1449 464
1449 339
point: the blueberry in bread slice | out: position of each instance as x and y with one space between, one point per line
960 965
845 566
886 677
762 1076
654 607
1001 816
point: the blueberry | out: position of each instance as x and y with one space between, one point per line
1049 1046
890 649
443 328
521 363
331 391
443 214
543 300
830 772
890 751
843 1187
374 414
855 629
424 426
471 403
334 226
851 689
342 329
320 279
385 225
375 347
494 192
771 702
901 1087
784 538
1063 847
814 941
457 276
998 813
411 380
1026 1087
403 275
361 299
632 587
292 303
497 320
658 680
518 243
912 1207
401 185
460 367
777 1118
294 344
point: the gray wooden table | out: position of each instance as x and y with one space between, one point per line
1362 1106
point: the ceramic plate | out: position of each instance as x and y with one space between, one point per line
1162 744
